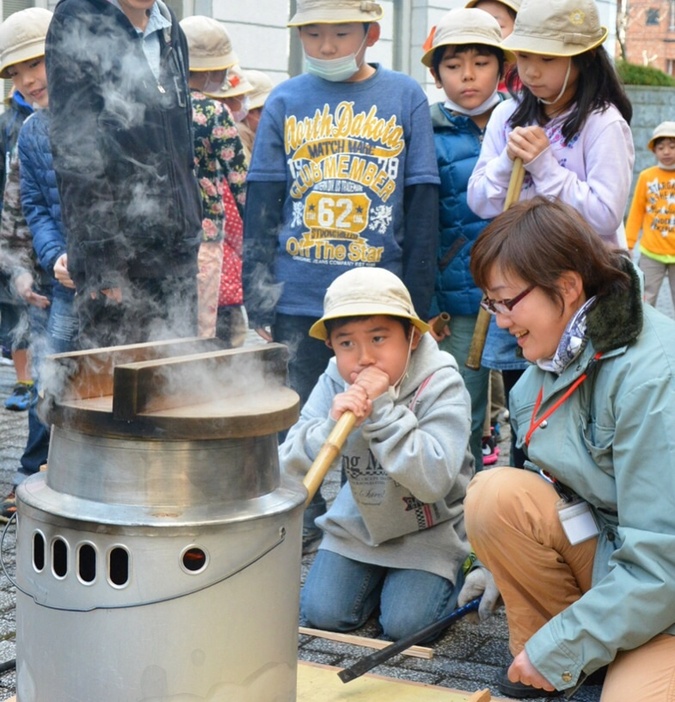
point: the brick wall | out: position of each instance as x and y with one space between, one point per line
650 34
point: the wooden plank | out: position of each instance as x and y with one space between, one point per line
481 696
320 682
415 651
161 384
79 375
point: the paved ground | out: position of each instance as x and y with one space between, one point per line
468 657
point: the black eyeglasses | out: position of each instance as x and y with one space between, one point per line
504 306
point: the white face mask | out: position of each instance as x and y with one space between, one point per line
493 100
214 81
336 70
240 114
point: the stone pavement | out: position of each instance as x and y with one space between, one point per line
468 657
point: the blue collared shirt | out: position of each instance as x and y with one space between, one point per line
151 46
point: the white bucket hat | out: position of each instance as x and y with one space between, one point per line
235 84
262 87
335 12
366 292
209 44
22 37
665 129
465 26
511 4
556 28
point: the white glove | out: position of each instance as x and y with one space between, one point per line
479 582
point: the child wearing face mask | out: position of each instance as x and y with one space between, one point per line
569 125
393 539
343 174
466 60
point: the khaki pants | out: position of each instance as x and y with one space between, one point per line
513 526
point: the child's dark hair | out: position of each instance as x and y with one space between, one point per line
660 140
480 49
598 87
538 240
339 322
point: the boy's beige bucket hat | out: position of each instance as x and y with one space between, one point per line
366 292
465 26
665 129
335 12
556 28
209 44
262 87
22 37
512 4
235 84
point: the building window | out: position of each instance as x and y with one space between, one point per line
652 16
671 15
670 67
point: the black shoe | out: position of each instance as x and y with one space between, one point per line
521 691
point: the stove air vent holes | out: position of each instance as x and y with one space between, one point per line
86 560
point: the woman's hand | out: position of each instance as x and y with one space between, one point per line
527 143
23 284
522 670
61 271
264 333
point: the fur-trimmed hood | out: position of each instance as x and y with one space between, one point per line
617 320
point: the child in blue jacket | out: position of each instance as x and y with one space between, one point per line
467 62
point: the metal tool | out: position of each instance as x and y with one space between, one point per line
374 659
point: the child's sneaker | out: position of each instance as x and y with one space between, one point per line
21 397
490 449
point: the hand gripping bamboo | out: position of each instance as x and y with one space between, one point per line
483 321
442 319
328 453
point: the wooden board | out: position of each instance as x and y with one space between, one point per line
320 682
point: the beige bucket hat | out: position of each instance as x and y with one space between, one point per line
465 26
665 129
209 44
335 12
235 84
512 4
556 28
365 292
262 87
22 37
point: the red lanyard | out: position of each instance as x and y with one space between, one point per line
536 423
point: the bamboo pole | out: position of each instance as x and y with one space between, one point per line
483 321
328 453
440 321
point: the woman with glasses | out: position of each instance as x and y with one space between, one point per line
582 543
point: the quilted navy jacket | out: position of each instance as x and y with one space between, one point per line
458 141
40 197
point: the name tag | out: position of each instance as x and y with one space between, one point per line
577 521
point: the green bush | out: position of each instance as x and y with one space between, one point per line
634 74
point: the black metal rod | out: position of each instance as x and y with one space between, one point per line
374 659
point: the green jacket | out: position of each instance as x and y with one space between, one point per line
613 442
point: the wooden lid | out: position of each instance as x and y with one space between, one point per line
173 390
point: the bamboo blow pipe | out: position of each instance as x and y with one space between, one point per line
328 453
440 321
483 321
